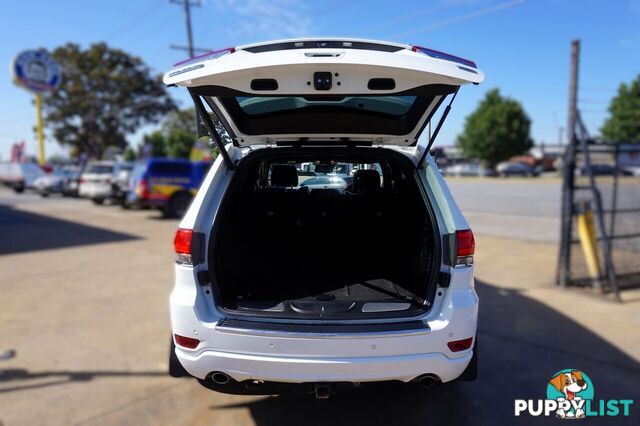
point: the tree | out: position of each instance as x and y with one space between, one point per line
156 144
179 143
105 95
497 130
623 124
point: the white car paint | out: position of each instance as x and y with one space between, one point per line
96 181
299 357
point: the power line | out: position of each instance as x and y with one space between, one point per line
455 20
144 14
186 4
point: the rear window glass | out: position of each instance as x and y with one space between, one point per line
313 175
99 168
391 105
171 169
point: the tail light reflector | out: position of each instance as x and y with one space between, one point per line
460 345
186 342
182 246
465 247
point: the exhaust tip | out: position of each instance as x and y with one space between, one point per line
220 378
427 380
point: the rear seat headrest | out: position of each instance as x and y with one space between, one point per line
284 175
366 181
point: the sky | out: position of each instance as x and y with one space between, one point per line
522 46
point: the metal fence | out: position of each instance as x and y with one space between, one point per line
600 176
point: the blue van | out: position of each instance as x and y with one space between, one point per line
167 184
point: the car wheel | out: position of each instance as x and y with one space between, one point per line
98 201
18 189
178 204
44 194
175 368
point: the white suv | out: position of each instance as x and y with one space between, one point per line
267 293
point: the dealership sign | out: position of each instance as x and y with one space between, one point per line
36 71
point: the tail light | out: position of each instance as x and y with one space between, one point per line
206 56
81 180
186 342
182 246
143 189
465 247
442 55
460 345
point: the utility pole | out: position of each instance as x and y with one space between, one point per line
186 4
566 234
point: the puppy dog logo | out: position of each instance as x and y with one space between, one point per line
571 389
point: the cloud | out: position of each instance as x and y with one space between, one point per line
263 19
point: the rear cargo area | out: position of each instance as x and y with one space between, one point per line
283 249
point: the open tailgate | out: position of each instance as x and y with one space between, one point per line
324 90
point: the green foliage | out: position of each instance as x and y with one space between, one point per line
623 124
177 135
497 130
156 142
179 142
130 154
105 95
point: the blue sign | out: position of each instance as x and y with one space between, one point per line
36 71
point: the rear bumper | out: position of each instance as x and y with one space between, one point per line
243 367
298 357
95 191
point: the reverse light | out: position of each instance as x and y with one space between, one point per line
460 345
182 246
446 56
214 54
186 342
465 247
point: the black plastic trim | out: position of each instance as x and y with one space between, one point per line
264 84
239 324
323 44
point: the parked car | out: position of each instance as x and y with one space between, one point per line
469 169
266 294
19 176
96 180
56 181
598 170
515 168
165 184
120 183
324 182
71 185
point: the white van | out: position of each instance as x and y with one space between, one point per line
20 176
266 293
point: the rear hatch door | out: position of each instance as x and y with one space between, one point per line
324 91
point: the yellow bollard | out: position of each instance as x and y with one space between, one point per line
589 241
